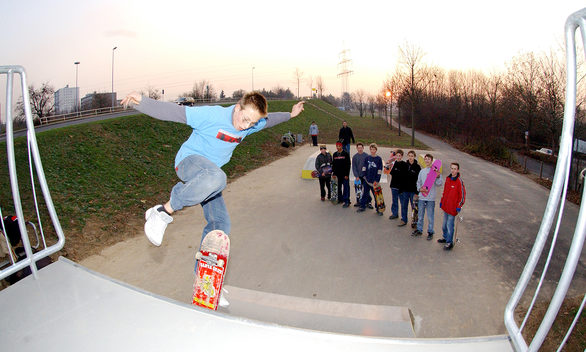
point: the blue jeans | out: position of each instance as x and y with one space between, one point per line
346 148
395 202
405 198
202 183
448 227
424 205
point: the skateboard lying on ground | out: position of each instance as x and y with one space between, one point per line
334 189
211 269
358 189
429 181
415 212
378 198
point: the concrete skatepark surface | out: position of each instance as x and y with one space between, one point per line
286 241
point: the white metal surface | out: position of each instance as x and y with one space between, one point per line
69 308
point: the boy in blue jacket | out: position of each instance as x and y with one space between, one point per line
371 173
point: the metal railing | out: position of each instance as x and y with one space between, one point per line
35 167
555 205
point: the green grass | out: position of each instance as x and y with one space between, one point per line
107 173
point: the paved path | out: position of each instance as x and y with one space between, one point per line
286 241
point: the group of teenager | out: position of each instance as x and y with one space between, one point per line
407 186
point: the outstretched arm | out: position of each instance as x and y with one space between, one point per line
275 118
154 108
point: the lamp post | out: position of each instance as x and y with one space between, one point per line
112 97
388 95
76 87
253 78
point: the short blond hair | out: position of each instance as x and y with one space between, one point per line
373 145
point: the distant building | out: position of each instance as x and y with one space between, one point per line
97 100
65 99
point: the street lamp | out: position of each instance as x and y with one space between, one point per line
113 100
76 88
253 78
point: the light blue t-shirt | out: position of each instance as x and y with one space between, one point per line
213 137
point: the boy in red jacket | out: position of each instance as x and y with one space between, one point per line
451 203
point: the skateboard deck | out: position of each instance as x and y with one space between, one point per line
358 189
211 269
429 181
334 189
415 211
314 174
459 219
378 197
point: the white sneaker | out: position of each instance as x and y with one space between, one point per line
156 223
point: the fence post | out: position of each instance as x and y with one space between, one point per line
541 170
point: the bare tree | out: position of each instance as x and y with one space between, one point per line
41 100
371 105
410 58
298 75
151 92
359 98
202 91
553 81
319 83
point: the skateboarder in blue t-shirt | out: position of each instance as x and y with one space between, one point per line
216 132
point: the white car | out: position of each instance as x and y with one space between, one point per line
545 151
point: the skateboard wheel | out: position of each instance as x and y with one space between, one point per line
221 263
198 255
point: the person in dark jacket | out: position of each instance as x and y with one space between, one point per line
323 165
341 168
451 203
410 185
345 136
398 175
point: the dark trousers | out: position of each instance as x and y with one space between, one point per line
324 181
314 139
343 189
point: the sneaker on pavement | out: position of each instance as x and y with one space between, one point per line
429 236
449 246
416 233
441 240
360 210
402 223
393 217
156 223
369 206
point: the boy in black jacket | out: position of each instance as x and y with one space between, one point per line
341 168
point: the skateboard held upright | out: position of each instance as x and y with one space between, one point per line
378 198
358 189
429 181
415 211
334 189
211 269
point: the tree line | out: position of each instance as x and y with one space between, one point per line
523 105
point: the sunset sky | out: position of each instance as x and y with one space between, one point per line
173 44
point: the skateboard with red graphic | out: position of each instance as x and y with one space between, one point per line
431 176
378 198
211 269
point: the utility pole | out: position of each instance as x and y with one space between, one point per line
344 69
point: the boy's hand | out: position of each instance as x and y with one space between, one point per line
297 109
133 98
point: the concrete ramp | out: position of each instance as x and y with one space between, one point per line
70 308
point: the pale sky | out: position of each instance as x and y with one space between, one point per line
173 44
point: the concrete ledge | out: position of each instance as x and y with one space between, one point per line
314 314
